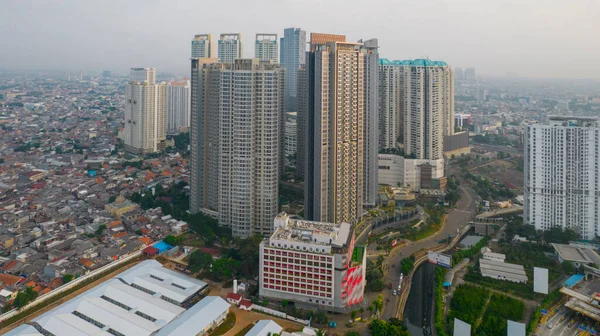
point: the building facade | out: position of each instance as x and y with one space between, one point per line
291 133
334 132
266 48
230 47
202 46
390 111
395 170
371 121
561 165
204 136
237 137
178 106
312 263
427 102
293 55
145 112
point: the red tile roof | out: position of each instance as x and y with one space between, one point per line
10 280
246 303
233 296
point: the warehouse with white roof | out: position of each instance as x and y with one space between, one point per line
502 271
144 300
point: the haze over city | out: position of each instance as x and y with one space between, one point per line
549 39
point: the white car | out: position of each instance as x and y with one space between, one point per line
395 293
549 325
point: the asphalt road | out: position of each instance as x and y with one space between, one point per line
457 219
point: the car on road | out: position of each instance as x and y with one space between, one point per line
549 325
395 293
388 300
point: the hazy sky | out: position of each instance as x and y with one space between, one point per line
532 38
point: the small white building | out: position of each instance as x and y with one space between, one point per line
502 271
395 169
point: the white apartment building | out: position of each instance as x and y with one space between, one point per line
145 112
237 142
230 47
561 165
427 105
390 109
266 48
312 263
202 46
395 170
291 139
178 106
333 115
292 56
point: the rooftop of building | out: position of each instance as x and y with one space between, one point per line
422 62
572 253
506 270
320 233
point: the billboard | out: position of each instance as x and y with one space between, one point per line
461 328
439 259
540 280
515 328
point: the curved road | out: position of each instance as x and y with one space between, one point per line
457 218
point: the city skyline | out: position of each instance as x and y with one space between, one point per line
486 43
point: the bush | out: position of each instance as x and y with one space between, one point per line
440 274
467 303
500 309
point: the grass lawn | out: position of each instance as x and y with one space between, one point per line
225 326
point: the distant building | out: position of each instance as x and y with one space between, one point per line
291 134
562 178
292 56
203 47
230 47
266 48
462 120
312 263
106 74
459 74
178 106
470 74
145 112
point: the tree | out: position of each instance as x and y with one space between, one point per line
112 198
351 333
284 304
224 268
67 278
199 260
361 310
21 300
171 240
100 230
371 309
320 332
568 267
391 328
353 314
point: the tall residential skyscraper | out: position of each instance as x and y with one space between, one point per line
459 74
178 106
371 120
334 142
561 164
427 102
265 48
237 109
390 109
293 53
145 112
204 136
301 102
202 46
230 47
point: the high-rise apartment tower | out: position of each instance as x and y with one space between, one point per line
265 48
562 179
202 46
237 113
293 53
230 47
178 106
145 112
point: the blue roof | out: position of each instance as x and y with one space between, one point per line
418 62
574 279
161 246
